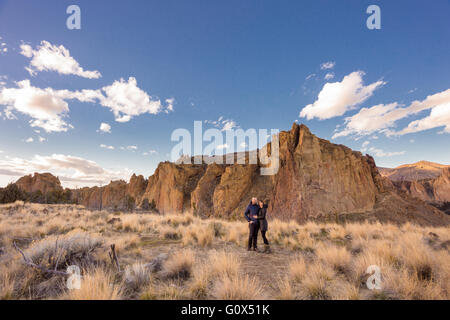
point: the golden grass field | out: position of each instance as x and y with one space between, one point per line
185 257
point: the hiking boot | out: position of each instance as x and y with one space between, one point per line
267 249
249 249
255 249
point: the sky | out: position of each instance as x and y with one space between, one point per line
101 102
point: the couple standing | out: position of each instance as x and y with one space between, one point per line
256 217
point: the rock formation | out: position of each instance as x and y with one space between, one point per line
435 190
43 182
316 180
413 172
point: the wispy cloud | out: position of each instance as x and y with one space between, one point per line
223 124
379 152
383 117
327 65
48 57
104 146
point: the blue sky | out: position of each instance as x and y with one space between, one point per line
256 64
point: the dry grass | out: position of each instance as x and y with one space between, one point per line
206 258
180 264
97 284
239 287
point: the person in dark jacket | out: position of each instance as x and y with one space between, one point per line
263 224
251 215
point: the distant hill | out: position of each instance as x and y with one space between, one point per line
413 172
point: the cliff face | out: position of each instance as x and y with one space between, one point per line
316 179
117 195
44 182
435 190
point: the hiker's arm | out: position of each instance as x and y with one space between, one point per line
247 211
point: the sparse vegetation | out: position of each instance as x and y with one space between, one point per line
186 257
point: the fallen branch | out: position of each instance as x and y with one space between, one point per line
113 257
30 263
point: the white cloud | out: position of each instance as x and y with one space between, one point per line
329 76
383 118
336 98
243 145
29 140
126 100
151 152
105 127
382 154
223 124
42 139
129 148
327 65
378 152
70 169
48 57
170 103
439 117
312 75
47 107
104 146
222 146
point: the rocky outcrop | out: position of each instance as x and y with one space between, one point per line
315 179
171 185
435 190
137 186
43 182
111 196
412 172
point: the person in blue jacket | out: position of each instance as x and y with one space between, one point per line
251 215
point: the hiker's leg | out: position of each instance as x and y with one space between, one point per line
263 233
255 236
250 235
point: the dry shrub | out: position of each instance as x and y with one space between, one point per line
239 287
71 249
343 290
198 288
286 292
168 233
315 284
137 275
97 284
223 263
297 269
180 264
337 257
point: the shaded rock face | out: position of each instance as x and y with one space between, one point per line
435 190
44 182
315 178
137 186
116 195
